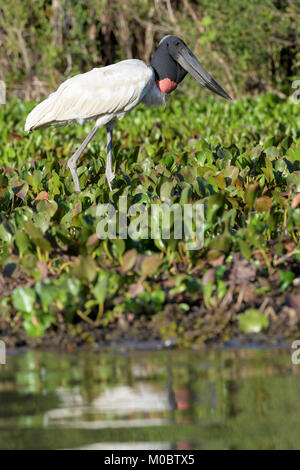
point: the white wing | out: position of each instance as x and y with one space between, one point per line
108 91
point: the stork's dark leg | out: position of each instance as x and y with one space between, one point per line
109 170
72 162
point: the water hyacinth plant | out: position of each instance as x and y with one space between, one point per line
240 160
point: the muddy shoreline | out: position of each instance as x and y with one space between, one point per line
166 330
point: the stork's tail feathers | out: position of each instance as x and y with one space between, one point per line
40 115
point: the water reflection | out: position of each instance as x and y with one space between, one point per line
152 400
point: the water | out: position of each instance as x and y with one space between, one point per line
221 399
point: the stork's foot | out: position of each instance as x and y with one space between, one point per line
73 168
109 176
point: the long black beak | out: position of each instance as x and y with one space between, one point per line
190 63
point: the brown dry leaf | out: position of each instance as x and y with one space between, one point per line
43 269
150 264
169 283
23 191
293 301
296 201
136 289
14 136
248 295
218 261
220 181
129 260
209 276
263 204
291 315
242 270
43 195
85 267
289 245
7 170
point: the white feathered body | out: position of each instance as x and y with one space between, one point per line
103 94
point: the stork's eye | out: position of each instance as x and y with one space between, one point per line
177 43
167 44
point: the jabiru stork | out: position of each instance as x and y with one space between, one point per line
107 94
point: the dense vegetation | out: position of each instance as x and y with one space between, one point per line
241 159
250 46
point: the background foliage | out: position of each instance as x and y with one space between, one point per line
249 46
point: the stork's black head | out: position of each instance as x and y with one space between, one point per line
173 60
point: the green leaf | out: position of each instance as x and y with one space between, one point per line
294 180
165 191
23 299
207 293
207 21
184 307
32 231
85 268
5 233
100 289
158 296
185 195
286 279
71 285
22 241
245 249
48 207
222 243
251 194
36 324
252 321
119 246
215 206
294 154
47 293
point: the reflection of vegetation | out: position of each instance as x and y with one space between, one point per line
223 399
13 405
